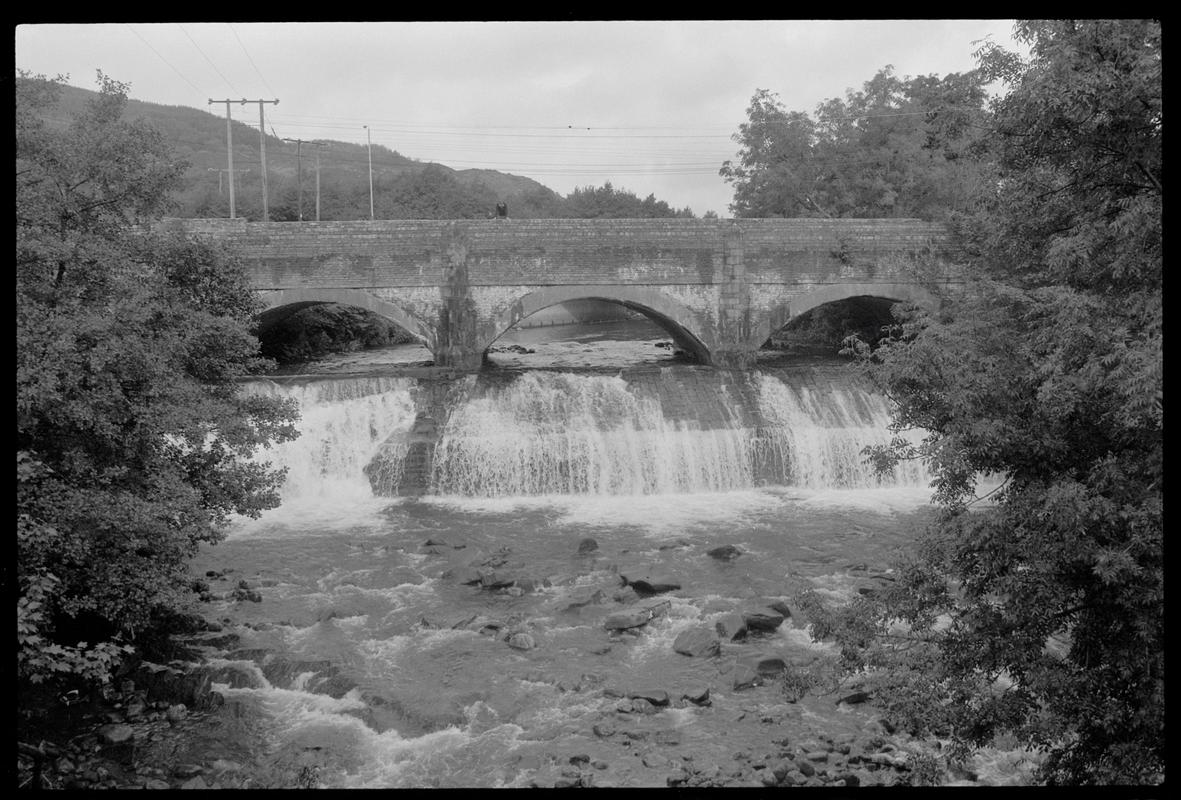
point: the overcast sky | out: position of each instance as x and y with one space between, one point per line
651 106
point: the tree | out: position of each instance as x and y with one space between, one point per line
892 149
1042 616
606 201
134 443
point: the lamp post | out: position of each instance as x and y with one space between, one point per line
369 145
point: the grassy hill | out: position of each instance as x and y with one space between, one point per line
403 188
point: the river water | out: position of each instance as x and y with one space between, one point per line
460 636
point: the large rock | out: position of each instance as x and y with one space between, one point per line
522 641
697 642
726 552
763 620
496 579
755 669
582 598
646 584
731 627
115 733
657 697
637 615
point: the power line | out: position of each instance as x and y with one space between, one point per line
162 58
251 60
202 52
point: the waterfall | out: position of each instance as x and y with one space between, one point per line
343 424
818 436
559 433
667 431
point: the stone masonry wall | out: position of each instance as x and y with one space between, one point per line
725 283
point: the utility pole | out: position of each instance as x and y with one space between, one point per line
262 149
319 146
229 151
220 172
369 143
299 173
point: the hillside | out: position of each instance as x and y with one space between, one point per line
403 188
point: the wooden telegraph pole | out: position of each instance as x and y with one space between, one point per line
262 148
230 150
319 145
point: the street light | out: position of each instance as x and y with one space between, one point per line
369 144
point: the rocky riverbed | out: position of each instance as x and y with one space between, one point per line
179 725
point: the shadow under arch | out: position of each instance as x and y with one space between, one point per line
673 317
784 313
282 303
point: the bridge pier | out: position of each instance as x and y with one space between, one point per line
459 358
734 358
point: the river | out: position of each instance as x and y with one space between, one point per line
467 634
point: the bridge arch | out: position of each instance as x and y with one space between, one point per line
680 322
279 302
781 314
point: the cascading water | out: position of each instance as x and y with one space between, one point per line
342 424
556 433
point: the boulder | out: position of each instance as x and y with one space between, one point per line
745 676
697 642
115 733
580 600
495 579
698 696
731 627
646 584
657 697
762 620
522 641
587 545
726 552
603 729
769 666
753 670
637 615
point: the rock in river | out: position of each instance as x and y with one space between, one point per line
637 615
697 642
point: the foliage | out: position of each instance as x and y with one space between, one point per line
897 148
1042 614
329 328
134 444
608 202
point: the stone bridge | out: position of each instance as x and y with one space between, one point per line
720 288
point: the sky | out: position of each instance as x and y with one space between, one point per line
651 106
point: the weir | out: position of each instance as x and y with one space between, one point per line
640 431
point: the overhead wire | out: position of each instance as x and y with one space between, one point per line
257 71
165 60
202 52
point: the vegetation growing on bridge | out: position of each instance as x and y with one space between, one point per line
1042 617
133 441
